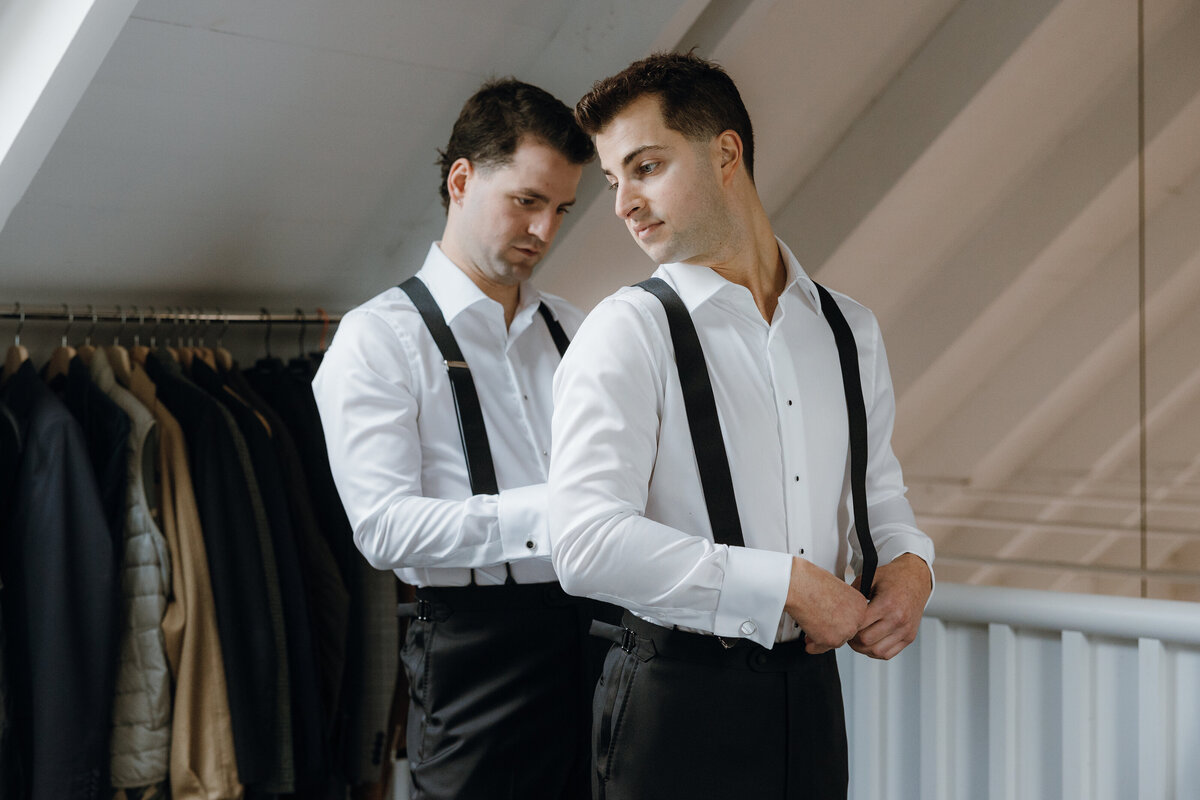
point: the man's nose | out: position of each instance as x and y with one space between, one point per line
628 201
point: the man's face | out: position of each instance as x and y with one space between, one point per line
667 187
511 212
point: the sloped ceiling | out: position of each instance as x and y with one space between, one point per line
967 169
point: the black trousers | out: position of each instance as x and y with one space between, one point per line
679 715
501 681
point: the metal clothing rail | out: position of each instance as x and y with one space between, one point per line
140 315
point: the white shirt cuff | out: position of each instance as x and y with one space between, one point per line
522 517
752 594
919 545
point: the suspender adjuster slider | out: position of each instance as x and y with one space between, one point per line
628 640
424 609
456 365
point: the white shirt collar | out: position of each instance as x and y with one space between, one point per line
455 292
697 284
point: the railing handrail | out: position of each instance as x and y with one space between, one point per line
1100 615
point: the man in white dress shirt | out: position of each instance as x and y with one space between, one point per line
725 682
436 400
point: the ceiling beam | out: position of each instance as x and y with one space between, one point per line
49 53
1044 242
990 92
1173 298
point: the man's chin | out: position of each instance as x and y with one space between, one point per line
659 253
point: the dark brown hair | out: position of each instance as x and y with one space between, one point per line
697 98
494 119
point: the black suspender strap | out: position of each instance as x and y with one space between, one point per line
711 457
556 332
481 471
856 411
701 407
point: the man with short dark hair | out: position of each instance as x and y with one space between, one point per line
721 455
436 398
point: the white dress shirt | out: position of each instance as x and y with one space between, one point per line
627 512
393 438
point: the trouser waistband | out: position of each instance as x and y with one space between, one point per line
647 640
439 602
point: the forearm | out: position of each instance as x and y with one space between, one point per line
481 531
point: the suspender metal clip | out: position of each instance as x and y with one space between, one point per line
628 640
424 609
456 365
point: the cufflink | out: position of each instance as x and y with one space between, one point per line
748 628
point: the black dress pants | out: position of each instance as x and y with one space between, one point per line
679 715
501 681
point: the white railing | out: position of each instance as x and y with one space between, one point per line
1012 694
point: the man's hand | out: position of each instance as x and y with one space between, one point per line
899 593
828 609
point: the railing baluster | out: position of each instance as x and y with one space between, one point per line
1152 752
1078 715
935 698
1002 712
867 721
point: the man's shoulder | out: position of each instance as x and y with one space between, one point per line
391 307
627 304
860 318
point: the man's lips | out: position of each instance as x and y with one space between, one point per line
643 229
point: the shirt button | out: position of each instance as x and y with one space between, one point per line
789 402
801 551
531 544
797 478
748 628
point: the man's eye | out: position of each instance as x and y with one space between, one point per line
612 187
648 167
524 201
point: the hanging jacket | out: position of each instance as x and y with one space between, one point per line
60 590
203 765
10 459
141 736
307 726
246 618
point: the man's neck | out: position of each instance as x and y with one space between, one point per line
756 262
507 295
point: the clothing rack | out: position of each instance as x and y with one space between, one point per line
174 314
195 321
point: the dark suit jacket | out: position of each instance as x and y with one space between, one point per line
10 459
328 600
308 736
236 567
59 601
106 431
372 639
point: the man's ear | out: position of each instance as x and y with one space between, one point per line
728 147
461 171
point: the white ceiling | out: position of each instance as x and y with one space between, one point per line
967 169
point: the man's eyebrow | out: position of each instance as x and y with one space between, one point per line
625 161
536 195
